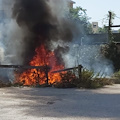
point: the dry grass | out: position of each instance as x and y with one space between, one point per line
2 84
88 80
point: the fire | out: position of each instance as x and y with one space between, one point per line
46 59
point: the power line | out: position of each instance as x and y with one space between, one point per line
117 17
103 19
99 20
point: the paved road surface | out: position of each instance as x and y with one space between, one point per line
60 104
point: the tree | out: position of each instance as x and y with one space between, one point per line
79 15
112 53
111 17
119 30
103 29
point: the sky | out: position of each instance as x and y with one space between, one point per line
98 9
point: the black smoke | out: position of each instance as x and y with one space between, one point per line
40 26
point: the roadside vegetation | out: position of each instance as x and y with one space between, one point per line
116 77
88 80
3 84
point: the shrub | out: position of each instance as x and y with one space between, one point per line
100 82
2 84
68 80
88 80
116 77
111 51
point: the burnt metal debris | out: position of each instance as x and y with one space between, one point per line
68 69
44 68
25 67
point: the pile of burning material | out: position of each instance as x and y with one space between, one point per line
46 62
43 28
39 75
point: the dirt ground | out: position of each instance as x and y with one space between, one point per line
60 104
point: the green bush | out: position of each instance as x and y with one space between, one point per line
116 77
88 80
111 51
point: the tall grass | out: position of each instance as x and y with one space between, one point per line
88 80
116 77
2 84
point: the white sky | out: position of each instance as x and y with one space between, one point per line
98 9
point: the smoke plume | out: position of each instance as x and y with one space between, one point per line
41 24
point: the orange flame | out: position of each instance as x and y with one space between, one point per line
43 57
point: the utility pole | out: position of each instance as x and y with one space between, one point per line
109 27
110 22
110 35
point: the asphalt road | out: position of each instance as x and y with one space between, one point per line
60 104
